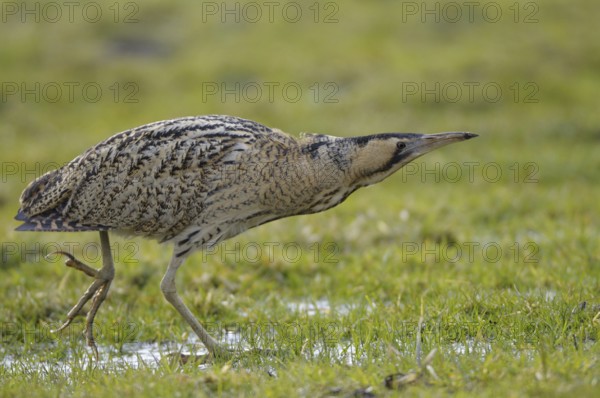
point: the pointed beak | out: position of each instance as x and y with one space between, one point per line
429 142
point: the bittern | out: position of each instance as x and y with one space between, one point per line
197 181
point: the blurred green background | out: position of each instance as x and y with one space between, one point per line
523 75
82 73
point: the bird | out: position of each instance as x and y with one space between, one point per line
196 181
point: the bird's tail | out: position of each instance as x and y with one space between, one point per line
52 221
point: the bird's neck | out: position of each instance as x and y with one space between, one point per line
330 177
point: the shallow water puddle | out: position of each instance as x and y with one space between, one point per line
150 355
315 337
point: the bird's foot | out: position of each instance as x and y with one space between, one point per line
78 265
97 292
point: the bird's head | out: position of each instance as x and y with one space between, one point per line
375 157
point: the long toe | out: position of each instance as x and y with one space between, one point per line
73 262
97 301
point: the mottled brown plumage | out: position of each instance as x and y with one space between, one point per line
197 181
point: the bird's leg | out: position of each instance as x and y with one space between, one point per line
167 286
97 290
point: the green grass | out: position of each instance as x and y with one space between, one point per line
504 270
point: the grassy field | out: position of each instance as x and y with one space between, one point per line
484 255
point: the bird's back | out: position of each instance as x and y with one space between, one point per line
152 180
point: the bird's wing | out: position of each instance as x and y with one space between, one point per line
147 180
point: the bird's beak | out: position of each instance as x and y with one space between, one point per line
428 142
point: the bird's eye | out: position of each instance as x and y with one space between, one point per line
401 145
